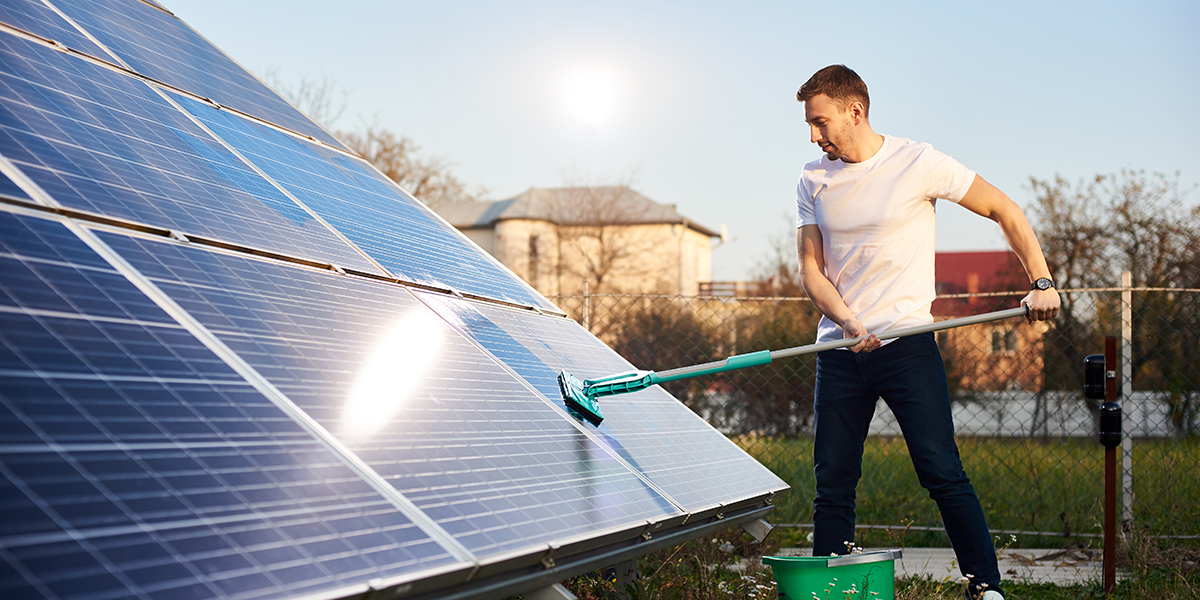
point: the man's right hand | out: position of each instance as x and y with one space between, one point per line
852 328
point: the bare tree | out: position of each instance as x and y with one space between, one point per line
1070 228
600 238
1154 229
1127 221
396 156
318 97
778 270
1093 230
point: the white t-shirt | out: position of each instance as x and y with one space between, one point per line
877 223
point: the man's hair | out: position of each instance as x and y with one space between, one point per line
841 84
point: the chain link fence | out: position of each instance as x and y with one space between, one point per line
1025 431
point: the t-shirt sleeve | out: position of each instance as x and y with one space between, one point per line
806 208
945 177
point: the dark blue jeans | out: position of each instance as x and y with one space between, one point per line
908 374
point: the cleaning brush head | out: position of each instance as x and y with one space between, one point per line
575 396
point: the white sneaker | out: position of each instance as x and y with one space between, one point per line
992 595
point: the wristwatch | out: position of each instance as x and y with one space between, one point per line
1042 284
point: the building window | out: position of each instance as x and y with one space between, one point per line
533 259
1004 340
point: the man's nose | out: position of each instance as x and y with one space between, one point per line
814 135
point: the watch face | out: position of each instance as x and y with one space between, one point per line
1044 284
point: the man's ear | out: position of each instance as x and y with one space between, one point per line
858 112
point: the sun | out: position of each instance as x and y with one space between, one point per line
589 95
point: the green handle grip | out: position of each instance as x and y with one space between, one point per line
640 380
740 361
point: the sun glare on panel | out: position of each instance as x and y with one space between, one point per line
590 94
388 376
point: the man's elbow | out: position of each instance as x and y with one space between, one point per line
807 275
1008 213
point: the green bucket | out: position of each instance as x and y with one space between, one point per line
866 576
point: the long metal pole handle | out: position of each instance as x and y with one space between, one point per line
763 357
1020 311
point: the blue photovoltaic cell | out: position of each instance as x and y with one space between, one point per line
135 463
10 189
391 227
51 270
162 47
458 435
102 142
679 452
37 18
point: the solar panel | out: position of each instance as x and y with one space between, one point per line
344 351
158 45
393 228
238 362
105 143
674 448
135 462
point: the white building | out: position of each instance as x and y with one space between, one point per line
614 238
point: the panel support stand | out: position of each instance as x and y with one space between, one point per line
759 529
554 592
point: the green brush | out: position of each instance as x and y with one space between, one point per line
582 396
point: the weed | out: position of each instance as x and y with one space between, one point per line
728 567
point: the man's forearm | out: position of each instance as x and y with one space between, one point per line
983 198
1024 243
825 296
816 284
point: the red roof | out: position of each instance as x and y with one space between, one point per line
972 272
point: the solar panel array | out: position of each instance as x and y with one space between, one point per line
237 361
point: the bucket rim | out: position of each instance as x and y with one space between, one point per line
834 561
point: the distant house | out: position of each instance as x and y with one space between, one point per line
614 238
983 357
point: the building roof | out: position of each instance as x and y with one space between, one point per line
610 205
977 272
970 272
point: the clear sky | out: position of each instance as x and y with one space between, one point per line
694 101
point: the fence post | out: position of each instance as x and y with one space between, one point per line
587 306
1127 393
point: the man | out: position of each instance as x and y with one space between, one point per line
865 219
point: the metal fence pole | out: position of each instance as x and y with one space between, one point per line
1127 393
587 306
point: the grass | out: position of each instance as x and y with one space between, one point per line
1024 485
725 567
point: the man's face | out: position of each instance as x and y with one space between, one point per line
831 126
